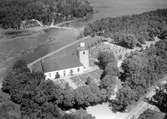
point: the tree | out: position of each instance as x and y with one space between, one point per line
108 83
111 69
108 63
9 110
141 71
150 114
13 12
160 98
163 33
20 80
43 99
105 58
124 97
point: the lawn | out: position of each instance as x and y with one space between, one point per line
31 45
11 48
55 39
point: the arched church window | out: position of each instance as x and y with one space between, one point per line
71 72
57 75
64 73
78 69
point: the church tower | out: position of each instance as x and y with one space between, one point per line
84 55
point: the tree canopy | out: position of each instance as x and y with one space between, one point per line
42 99
141 71
130 31
13 12
108 63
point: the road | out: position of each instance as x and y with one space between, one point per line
65 22
142 106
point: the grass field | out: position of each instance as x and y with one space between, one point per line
32 45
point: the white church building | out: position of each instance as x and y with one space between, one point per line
69 65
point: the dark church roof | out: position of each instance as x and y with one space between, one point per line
64 59
60 63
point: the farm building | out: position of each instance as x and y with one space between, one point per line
68 65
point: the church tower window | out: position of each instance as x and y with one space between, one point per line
84 54
78 69
71 72
57 75
64 73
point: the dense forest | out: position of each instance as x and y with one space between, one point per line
130 31
141 70
13 12
41 99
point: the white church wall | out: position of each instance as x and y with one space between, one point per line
84 54
65 72
84 57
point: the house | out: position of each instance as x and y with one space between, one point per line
68 65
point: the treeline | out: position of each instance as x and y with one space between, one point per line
41 99
140 71
13 12
130 31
